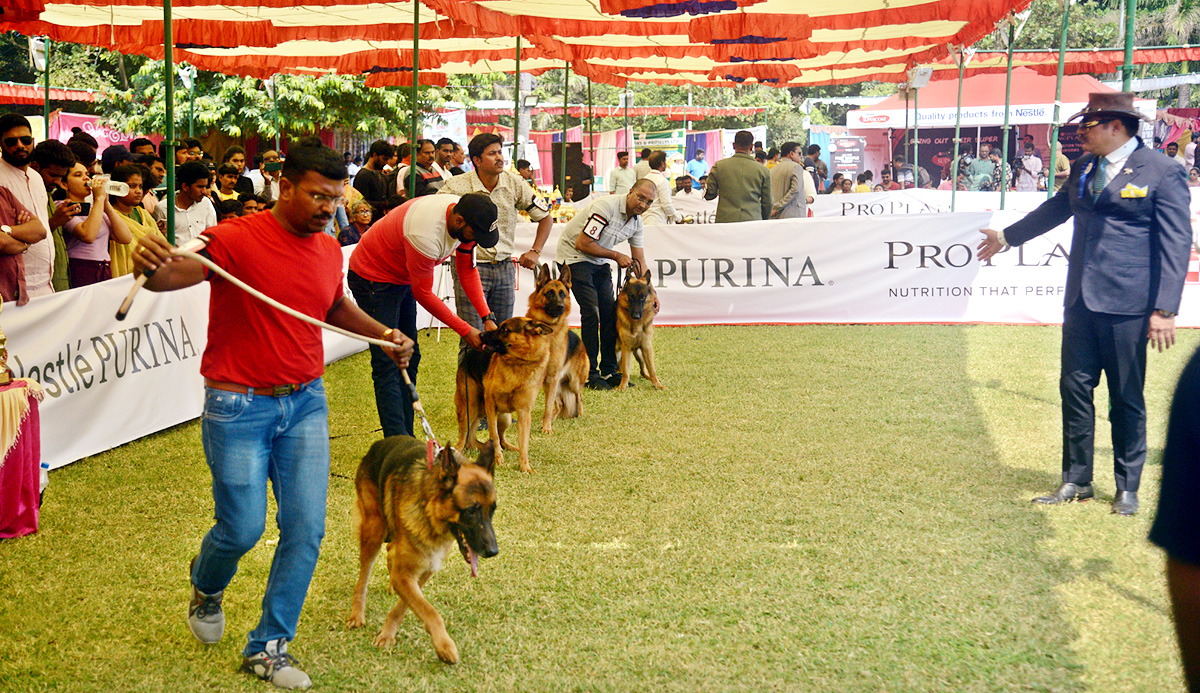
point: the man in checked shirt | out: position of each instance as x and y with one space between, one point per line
511 195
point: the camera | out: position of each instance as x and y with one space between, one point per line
85 208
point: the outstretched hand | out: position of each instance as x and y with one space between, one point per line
989 246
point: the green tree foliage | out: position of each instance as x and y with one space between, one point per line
240 106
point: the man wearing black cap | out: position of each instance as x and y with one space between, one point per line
1129 257
392 269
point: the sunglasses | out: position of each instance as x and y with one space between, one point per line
23 139
1093 123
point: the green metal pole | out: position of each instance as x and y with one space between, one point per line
46 105
275 107
1062 52
628 137
412 140
192 111
916 163
1130 13
962 63
591 128
517 106
169 77
1012 36
562 168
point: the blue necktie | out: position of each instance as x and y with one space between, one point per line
1099 180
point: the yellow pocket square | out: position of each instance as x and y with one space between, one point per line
1131 190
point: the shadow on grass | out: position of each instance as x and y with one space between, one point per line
806 508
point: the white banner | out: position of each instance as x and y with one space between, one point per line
110 382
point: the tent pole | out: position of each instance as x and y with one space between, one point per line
628 140
1012 36
892 152
1127 68
1062 51
517 107
591 128
192 110
916 163
957 128
46 105
275 108
412 139
562 169
169 153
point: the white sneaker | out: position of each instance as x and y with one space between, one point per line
277 666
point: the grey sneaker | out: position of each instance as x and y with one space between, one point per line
205 617
277 666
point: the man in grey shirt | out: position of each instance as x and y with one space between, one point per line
586 245
791 184
742 185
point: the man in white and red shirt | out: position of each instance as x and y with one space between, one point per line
265 413
391 270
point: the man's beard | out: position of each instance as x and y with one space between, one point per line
18 159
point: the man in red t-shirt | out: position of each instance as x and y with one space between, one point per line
265 415
391 271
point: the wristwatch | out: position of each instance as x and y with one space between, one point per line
492 317
1165 313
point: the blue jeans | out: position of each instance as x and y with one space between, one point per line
394 306
249 439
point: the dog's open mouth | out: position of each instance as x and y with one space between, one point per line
468 555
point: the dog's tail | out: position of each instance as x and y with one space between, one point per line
568 398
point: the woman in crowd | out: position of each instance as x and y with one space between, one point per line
360 219
134 215
88 236
847 185
1194 178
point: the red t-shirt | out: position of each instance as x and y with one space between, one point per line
249 342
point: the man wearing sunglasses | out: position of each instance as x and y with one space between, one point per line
1129 258
26 185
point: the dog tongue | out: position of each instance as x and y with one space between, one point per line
473 559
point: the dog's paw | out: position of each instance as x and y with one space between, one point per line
385 639
356 621
547 430
447 651
526 467
509 446
659 386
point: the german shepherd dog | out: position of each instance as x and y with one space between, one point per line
502 382
567 368
635 326
420 512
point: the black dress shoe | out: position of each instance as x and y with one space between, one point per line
1067 493
1125 503
597 383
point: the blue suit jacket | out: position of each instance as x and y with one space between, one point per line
1129 255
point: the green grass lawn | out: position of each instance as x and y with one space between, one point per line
811 508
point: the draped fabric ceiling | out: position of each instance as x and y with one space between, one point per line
680 42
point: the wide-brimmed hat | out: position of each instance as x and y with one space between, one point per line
1111 104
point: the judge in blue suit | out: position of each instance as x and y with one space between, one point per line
1129 257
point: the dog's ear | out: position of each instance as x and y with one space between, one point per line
448 464
487 457
543 275
538 327
646 276
564 274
